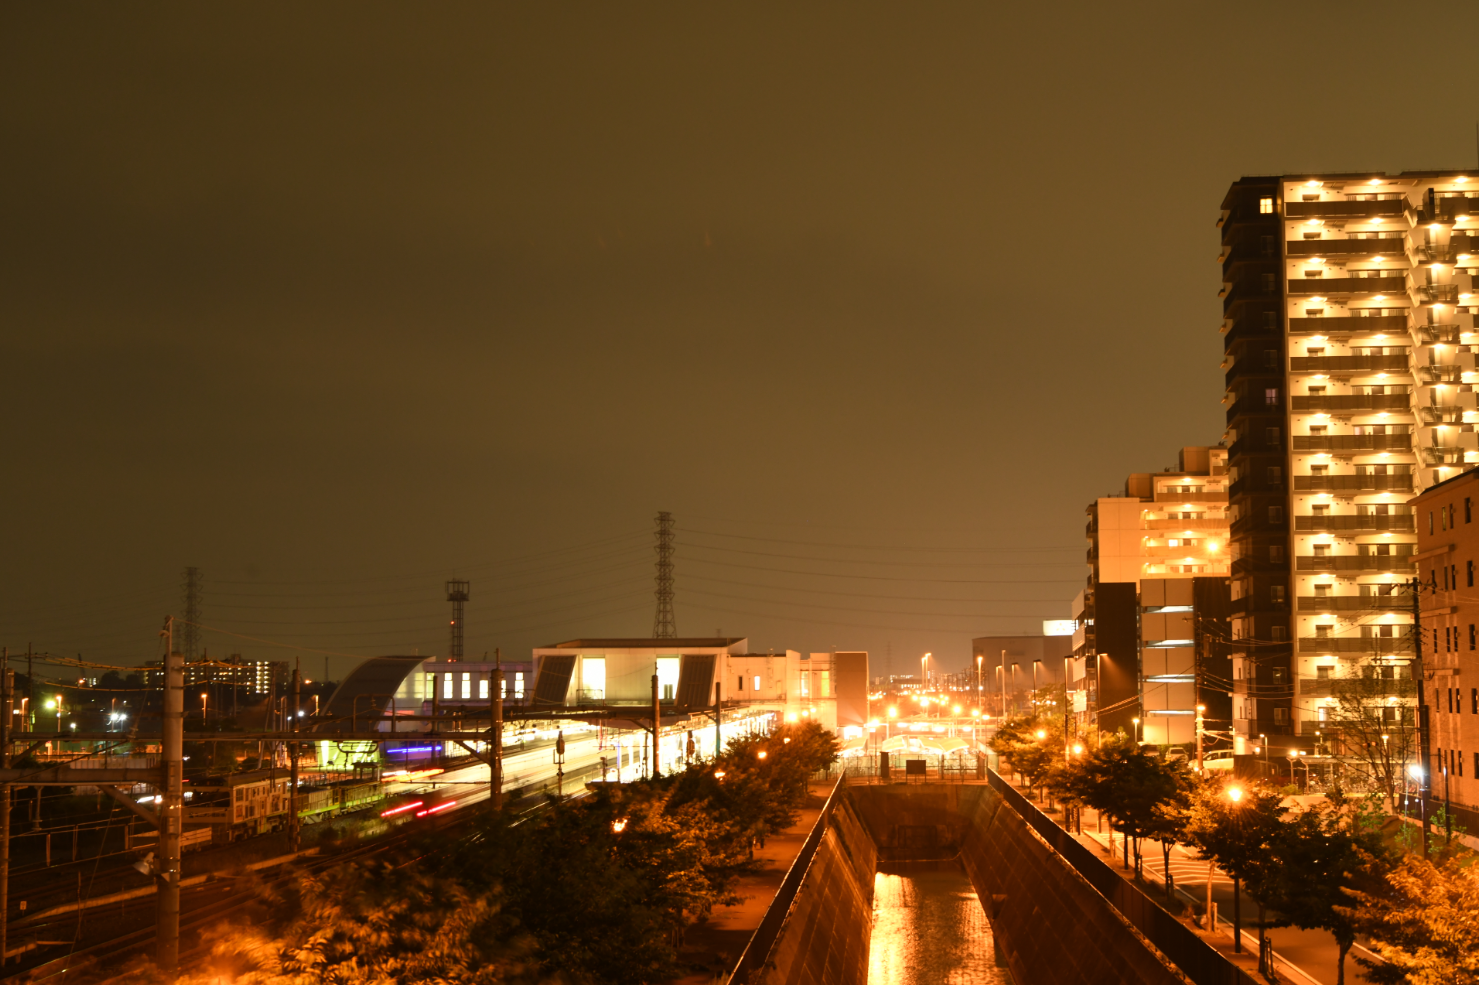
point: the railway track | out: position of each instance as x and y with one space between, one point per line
201 906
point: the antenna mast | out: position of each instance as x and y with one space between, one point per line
664 626
457 595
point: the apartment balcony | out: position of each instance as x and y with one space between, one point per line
1348 364
1347 326
1337 403
1435 254
1390 482
1358 523
1371 604
1386 209
1198 552
1376 646
1435 293
1355 562
1205 496
1442 454
1446 414
1384 246
1440 374
1205 523
1327 286
1353 443
1366 687
1444 332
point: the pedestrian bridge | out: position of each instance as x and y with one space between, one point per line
1055 913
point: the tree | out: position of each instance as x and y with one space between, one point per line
1420 921
1033 746
1236 827
1125 784
1374 729
1320 858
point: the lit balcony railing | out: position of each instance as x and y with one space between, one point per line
1346 209
1347 326
1383 246
1348 364
1331 403
1205 523
1442 332
1326 286
1357 523
1355 562
1376 646
1391 482
1364 687
1435 293
1435 254
1353 442
1355 603
1446 414
1440 374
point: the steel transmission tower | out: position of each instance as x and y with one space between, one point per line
457 595
192 584
664 627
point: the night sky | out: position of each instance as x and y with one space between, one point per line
339 301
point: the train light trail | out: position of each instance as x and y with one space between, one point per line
402 809
439 807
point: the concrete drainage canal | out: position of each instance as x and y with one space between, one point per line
967 883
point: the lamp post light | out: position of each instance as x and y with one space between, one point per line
1136 723
1235 794
204 709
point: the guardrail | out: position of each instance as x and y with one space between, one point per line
758 950
1197 959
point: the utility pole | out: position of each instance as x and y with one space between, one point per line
495 765
656 724
294 834
1423 783
1200 710
1003 684
171 812
664 626
718 713
7 701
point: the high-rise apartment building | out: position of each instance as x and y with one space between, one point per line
1137 674
1348 324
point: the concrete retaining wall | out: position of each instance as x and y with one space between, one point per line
824 940
1051 925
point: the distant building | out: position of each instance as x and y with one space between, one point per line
1030 661
1169 526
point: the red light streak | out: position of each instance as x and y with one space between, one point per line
402 809
439 807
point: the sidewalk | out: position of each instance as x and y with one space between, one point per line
1306 957
719 941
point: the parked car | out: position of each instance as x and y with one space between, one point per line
1220 760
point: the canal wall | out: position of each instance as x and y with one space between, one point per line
824 939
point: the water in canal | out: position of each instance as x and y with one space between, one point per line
929 928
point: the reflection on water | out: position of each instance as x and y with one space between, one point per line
929 928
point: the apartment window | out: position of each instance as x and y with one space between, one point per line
1269 283
1276 514
1271 397
1322 550
1322 590
1265 206
741 683
1322 672
1324 631
1270 319
1278 634
1319 470
1271 358
1474 708
1276 593
1470 572
1320 509
1443 518
1430 521
1468 510
1268 247
1276 553
1271 435
1281 716
1275 475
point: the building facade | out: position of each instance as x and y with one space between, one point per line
1348 311
1447 554
1169 526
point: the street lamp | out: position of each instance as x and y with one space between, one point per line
1235 794
202 706
1136 722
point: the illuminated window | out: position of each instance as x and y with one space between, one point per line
1265 206
503 688
466 685
519 684
757 681
447 686
483 688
